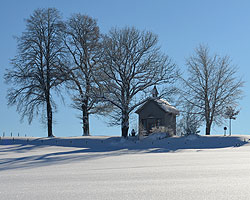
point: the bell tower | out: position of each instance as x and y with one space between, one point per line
154 92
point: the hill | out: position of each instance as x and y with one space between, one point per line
98 167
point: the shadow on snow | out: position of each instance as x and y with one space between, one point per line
85 148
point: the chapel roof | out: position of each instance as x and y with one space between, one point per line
162 103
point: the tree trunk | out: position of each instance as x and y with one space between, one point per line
208 128
125 124
49 117
125 132
85 121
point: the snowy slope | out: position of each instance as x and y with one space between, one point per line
191 167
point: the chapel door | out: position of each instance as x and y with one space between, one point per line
150 124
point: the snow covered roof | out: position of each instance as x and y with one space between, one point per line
166 106
162 103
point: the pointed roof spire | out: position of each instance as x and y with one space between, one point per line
154 92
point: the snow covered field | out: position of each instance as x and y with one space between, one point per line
213 167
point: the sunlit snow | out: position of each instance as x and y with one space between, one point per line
93 168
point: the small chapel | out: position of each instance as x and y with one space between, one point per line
156 113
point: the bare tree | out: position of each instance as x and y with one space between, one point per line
211 86
82 40
190 121
231 113
35 71
132 62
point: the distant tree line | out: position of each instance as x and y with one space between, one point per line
107 74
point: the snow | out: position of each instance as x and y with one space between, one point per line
91 167
157 136
165 105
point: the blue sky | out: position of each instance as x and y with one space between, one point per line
224 25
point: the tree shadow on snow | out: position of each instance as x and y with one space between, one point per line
38 152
